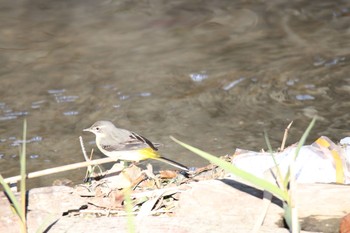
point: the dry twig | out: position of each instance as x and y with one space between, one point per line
285 136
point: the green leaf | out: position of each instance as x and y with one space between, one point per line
281 182
12 197
304 137
128 209
300 144
287 215
23 175
263 184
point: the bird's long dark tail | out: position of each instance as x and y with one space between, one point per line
172 163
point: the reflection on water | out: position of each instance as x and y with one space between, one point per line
215 74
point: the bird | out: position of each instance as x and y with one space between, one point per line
126 145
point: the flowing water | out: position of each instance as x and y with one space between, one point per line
214 74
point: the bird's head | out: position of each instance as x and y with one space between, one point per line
101 128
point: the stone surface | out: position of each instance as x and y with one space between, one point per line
206 206
320 206
152 225
228 202
45 206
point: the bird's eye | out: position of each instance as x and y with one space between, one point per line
97 128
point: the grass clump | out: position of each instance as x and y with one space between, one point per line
19 207
284 188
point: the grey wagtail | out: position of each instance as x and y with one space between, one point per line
125 145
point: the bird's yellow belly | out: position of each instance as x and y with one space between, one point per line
133 155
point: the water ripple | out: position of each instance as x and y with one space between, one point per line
58 91
33 156
60 98
17 142
71 113
9 115
37 104
65 98
145 94
232 84
5 118
198 77
319 61
304 97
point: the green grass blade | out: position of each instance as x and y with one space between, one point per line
287 215
280 180
286 179
304 137
128 209
23 176
12 197
301 143
263 184
293 224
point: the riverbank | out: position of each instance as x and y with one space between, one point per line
171 202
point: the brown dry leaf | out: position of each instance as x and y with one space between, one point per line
99 192
118 181
148 184
148 206
117 198
137 181
149 171
151 176
167 174
133 172
124 179
114 179
117 167
209 167
113 201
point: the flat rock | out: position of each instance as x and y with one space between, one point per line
227 202
45 206
206 206
151 224
320 206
